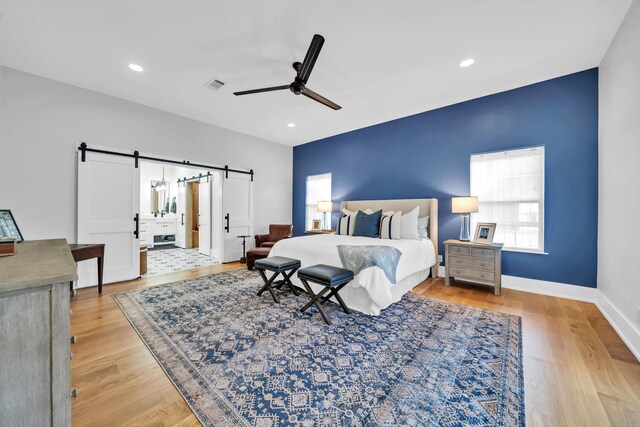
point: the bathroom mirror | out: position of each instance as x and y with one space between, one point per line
160 200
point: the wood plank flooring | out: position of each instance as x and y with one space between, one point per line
578 372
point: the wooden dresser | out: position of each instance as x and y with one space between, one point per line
474 262
34 334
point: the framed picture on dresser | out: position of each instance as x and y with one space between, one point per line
484 232
8 226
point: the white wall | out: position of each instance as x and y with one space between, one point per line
42 120
619 180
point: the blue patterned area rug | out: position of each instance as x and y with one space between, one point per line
239 359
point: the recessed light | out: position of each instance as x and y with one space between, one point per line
136 67
291 125
467 63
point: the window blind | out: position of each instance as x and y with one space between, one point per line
318 189
510 189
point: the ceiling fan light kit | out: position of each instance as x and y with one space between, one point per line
303 71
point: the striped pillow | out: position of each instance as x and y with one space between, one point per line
390 225
347 224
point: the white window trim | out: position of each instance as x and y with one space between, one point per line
308 205
542 250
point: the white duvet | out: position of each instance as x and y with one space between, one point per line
417 256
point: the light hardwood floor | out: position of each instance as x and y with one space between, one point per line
577 370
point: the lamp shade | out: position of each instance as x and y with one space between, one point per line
464 205
325 206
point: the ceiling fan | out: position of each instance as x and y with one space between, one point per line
303 71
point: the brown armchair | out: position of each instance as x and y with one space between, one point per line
276 232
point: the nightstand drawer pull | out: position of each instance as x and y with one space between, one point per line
477 263
74 339
460 250
483 253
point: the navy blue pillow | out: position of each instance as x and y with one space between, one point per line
368 225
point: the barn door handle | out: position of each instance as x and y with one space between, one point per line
226 217
182 220
137 230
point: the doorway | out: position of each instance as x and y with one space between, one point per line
175 225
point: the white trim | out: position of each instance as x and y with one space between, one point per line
554 289
627 331
543 287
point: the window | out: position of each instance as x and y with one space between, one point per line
510 189
318 189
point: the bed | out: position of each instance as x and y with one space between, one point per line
371 291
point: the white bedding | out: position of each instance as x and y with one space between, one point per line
370 291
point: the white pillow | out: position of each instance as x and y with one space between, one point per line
423 227
409 225
347 224
348 212
390 225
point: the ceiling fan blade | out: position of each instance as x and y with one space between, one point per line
311 57
321 99
264 89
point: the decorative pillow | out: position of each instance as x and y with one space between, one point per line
348 212
390 225
423 227
409 225
368 225
346 224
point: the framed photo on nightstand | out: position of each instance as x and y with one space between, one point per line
484 232
316 225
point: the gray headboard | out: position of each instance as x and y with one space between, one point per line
427 207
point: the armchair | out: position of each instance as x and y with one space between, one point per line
276 232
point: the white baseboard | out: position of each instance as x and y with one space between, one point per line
622 325
543 287
554 289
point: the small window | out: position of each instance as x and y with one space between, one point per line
318 189
510 190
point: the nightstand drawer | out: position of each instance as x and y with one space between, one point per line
480 264
467 273
459 250
483 253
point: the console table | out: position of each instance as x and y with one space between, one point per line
83 252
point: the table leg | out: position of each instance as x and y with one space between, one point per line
100 271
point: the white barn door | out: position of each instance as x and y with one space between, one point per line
237 209
181 235
108 203
204 216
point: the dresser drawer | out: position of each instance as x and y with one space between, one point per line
483 253
459 250
480 264
468 273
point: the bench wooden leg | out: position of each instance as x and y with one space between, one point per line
315 300
267 285
335 293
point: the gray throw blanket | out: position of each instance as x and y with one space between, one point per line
357 258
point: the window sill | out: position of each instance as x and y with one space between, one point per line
525 251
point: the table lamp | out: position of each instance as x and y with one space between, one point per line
464 206
324 207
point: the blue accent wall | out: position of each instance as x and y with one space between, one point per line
427 155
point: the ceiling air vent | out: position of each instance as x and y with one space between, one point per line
214 84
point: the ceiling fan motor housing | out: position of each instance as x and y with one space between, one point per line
297 87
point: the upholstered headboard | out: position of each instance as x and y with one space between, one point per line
427 207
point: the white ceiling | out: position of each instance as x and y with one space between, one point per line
381 60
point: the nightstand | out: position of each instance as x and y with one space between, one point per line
320 232
474 262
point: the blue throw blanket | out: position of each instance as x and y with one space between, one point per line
357 258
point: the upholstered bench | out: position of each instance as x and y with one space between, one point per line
278 265
332 278
255 254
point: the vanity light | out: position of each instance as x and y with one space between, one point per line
136 67
467 63
291 125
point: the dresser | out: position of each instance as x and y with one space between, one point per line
34 334
474 262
